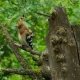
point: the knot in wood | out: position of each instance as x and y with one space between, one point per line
64 67
56 40
56 50
61 31
65 40
60 58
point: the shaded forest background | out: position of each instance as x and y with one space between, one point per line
10 12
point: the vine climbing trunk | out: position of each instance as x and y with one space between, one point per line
63 47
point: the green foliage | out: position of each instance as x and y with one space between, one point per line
11 10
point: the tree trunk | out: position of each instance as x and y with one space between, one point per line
63 47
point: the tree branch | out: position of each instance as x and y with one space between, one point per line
46 15
38 73
13 47
28 49
20 71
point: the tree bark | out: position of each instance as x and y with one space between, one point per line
62 47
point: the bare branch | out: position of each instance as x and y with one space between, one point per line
28 49
20 71
46 15
38 73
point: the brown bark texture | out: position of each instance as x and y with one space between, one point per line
63 44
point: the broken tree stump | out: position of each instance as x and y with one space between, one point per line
62 47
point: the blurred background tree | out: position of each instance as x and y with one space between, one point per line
12 10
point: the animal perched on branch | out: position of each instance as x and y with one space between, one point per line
24 33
